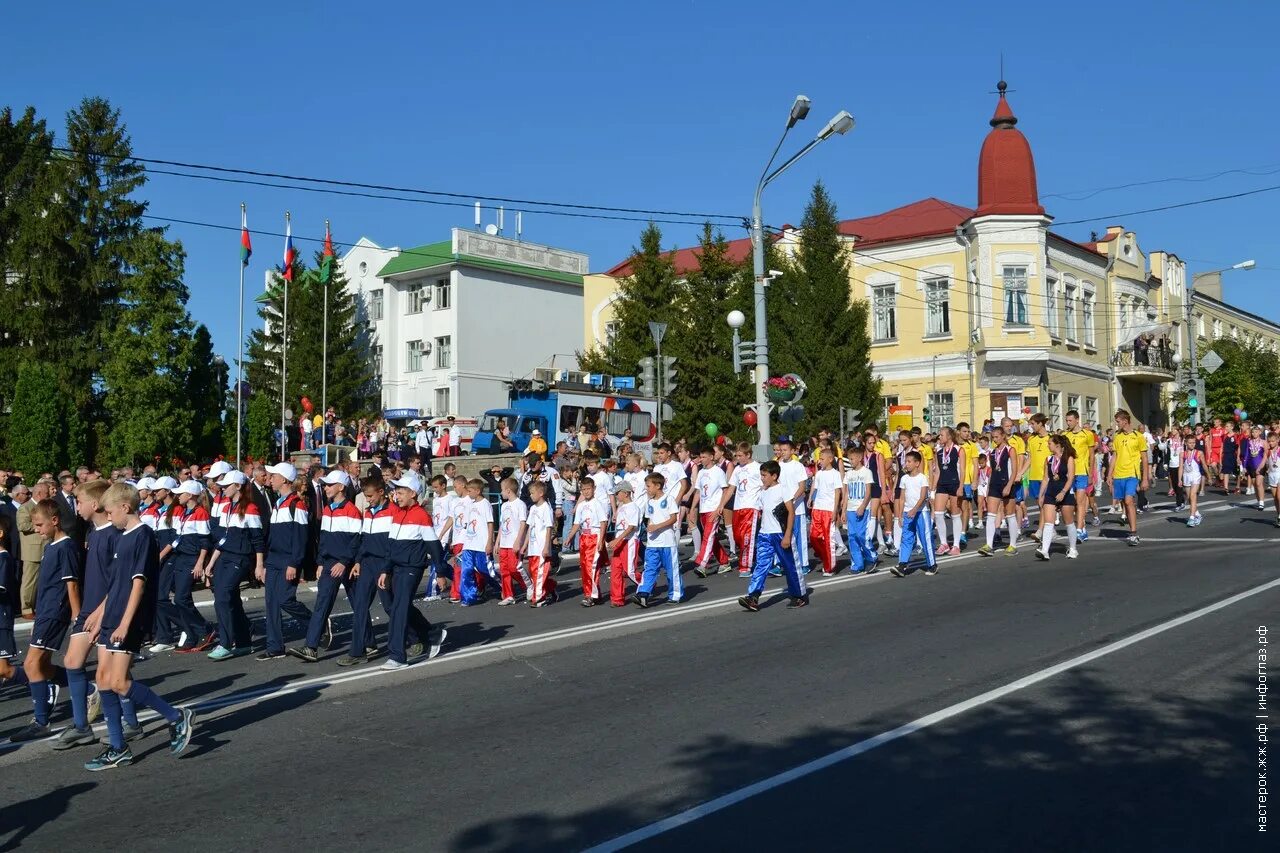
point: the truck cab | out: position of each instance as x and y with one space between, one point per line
520 422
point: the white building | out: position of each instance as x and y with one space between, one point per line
452 322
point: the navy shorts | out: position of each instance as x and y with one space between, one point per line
8 645
48 634
132 642
875 491
951 490
77 627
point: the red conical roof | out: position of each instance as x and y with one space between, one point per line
1006 169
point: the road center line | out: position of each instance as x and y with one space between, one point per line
733 798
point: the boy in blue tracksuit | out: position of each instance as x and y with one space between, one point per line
282 565
340 526
662 514
773 541
190 551
371 561
413 542
857 498
917 523
241 546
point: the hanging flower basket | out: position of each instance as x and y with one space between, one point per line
781 389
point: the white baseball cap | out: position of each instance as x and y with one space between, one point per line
167 483
217 469
188 487
334 478
537 432
284 469
408 481
145 483
232 478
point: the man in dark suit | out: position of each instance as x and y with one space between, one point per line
68 519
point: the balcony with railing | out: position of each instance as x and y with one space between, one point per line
1146 360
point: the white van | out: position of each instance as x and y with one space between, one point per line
466 426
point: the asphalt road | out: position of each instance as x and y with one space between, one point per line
564 728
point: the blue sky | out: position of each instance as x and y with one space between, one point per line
671 106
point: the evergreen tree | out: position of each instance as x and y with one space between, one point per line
262 419
206 395
38 425
351 371
707 391
650 293
150 357
817 330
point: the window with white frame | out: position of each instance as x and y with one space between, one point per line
442 401
1055 410
444 352
611 332
1091 410
1069 312
885 402
1086 316
375 304
1217 329
884 304
377 360
1051 306
417 294
1200 326
937 296
1122 314
1073 403
1235 333
413 359
942 409
444 294
1015 295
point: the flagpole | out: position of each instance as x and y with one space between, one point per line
284 359
324 350
240 334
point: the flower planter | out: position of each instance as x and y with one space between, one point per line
781 395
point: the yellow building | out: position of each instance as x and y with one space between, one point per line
985 312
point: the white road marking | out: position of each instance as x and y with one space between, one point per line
733 798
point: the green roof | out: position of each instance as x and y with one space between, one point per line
440 254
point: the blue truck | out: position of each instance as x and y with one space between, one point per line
558 409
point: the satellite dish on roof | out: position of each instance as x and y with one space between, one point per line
491 230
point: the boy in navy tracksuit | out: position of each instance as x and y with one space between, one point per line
340 525
57 598
191 549
242 545
126 613
9 601
371 562
286 552
412 543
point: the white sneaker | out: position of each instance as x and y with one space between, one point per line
390 664
1072 554
506 602
431 598
182 638
160 647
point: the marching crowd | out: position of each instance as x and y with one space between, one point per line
109 564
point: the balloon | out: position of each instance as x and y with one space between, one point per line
317 421
1244 415
721 440
749 417
712 430
307 405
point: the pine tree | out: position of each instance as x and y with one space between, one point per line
38 424
817 330
150 356
707 391
206 396
262 419
650 293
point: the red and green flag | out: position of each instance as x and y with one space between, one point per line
246 247
326 259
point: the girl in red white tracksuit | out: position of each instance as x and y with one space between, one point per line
590 520
624 548
745 481
712 492
827 485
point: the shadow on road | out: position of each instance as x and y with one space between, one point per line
1075 765
24 818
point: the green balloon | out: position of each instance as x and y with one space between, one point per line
712 430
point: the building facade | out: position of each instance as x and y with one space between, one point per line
987 311
454 321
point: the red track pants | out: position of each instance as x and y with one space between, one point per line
824 545
711 547
589 560
622 565
509 569
744 534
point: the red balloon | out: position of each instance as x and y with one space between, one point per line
749 417
721 440
307 405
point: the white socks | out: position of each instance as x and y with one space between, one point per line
1047 537
991 529
897 533
940 523
1012 523
957 529
1071 537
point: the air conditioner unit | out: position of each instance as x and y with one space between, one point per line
575 376
549 375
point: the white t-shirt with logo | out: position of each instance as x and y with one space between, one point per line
657 511
461 503
476 520
540 520
673 471
857 484
604 484
747 486
825 485
628 515
711 483
792 475
770 499
513 514
591 516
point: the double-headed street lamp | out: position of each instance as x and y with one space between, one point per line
841 123
1196 381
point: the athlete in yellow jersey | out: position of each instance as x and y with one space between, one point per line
964 438
1019 448
1129 471
1082 443
1037 455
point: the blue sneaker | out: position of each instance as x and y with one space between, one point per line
109 758
964 540
1082 535
180 732
221 653
775 573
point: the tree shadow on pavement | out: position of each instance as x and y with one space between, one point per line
1073 764
24 818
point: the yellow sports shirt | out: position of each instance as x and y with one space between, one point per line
1019 448
970 457
1129 447
1082 442
1038 448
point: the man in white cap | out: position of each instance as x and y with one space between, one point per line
284 561
413 542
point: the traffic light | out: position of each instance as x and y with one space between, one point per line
668 375
927 415
1192 402
647 388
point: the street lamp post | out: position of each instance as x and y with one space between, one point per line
841 123
1192 350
